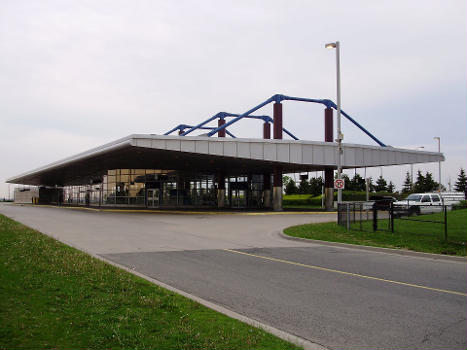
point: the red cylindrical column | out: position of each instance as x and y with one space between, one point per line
328 172
267 176
328 178
328 127
277 177
277 114
221 133
266 130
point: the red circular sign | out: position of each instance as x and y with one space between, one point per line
339 184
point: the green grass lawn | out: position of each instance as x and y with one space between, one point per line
417 236
301 201
54 296
301 206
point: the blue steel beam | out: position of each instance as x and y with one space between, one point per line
185 126
290 134
223 115
279 98
327 103
241 116
276 98
178 127
331 104
363 129
214 117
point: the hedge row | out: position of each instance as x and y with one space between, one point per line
354 196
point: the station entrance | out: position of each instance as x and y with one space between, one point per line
167 189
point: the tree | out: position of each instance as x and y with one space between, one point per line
357 183
285 180
430 185
391 187
291 187
461 181
371 185
425 183
381 184
407 186
316 183
418 186
304 187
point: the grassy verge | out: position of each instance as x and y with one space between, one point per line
54 296
418 236
301 206
301 201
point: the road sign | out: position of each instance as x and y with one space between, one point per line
339 184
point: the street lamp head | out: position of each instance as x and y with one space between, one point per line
330 46
437 138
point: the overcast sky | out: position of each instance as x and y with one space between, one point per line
78 74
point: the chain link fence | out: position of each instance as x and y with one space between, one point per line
383 216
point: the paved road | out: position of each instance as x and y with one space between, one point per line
339 297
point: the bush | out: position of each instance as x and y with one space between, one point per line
460 205
359 196
301 199
351 196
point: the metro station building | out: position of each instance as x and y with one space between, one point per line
164 171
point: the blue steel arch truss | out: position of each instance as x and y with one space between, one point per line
278 98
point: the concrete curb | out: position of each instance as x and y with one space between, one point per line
294 339
376 249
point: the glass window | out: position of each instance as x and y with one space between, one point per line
414 197
435 198
426 199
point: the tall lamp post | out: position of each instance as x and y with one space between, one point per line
439 162
340 136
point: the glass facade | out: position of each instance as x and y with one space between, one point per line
155 188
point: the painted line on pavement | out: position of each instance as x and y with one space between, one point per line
348 273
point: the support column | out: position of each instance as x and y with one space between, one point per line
220 122
267 176
328 172
277 115
220 190
277 190
266 130
277 185
180 190
267 190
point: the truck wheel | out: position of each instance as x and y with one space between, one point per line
414 211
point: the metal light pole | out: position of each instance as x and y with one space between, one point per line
340 136
439 162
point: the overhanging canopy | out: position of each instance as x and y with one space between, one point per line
212 155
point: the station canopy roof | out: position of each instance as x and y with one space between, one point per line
206 155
